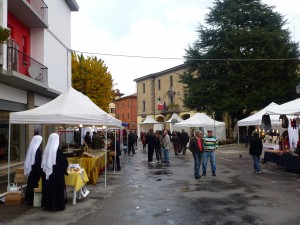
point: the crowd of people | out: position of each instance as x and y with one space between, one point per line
161 143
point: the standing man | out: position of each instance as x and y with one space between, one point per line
130 142
150 140
184 139
166 146
210 145
196 147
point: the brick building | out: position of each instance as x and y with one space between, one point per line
126 110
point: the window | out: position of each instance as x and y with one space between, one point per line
171 81
112 110
118 117
158 84
118 105
144 88
123 116
144 106
128 115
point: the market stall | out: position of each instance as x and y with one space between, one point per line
285 155
174 119
149 123
69 108
201 120
269 134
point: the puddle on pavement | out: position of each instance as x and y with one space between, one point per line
161 172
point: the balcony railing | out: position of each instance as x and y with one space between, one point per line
22 63
40 7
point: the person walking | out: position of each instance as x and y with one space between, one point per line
255 151
32 167
196 147
184 139
210 145
166 146
176 142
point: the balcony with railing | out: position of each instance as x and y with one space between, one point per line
20 62
33 13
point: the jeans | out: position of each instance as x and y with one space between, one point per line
166 154
256 164
212 157
197 162
158 153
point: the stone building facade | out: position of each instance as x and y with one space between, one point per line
160 95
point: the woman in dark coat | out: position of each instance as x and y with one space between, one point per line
255 150
32 167
54 165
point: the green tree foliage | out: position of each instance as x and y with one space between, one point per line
91 77
247 60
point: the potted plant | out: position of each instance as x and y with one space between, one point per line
4 34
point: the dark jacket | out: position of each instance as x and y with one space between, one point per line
256 145
194 147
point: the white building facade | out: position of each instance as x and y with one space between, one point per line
35 64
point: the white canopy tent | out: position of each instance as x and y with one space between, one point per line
174 119
149 123
71 108
289 108
202 120
255 119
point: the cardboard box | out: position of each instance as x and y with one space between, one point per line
14 201
20 180
19 175
20 171
14 198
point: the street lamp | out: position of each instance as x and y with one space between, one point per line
298 88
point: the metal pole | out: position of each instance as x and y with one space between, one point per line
105 169
8 158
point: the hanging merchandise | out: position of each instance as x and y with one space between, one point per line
266 122
285 121
293 123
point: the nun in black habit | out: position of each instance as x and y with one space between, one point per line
32 167
54 165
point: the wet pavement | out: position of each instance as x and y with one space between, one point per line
168 194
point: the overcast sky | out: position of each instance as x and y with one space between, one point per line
148 28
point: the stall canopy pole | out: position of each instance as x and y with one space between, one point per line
8 159
115 150
105 156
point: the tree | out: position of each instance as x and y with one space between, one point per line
243 60
91 77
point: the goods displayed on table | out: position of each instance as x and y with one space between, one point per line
287 152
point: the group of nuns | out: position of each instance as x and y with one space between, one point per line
51 166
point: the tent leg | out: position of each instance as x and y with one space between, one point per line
8 159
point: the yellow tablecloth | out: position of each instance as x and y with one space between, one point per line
76 179
91 165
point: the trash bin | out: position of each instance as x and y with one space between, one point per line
37 198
